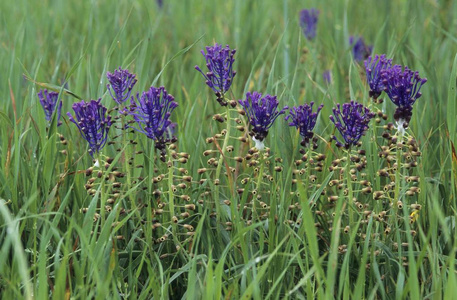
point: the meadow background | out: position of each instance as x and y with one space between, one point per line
47 245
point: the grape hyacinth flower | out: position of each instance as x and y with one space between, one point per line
327 76
304 119
374 67
219 62
360 50
403 88
262 112
152 112
308 22
48 101
120 84
93 123
352 122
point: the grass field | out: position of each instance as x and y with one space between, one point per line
211 218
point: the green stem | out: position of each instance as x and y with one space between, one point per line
171 196
220 164
349 187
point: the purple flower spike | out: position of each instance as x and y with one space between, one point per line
403 88
152 112
327 76
308 22
219 62
262 112
374 68
93 123
120 84
360 50
351 122
48 101
304 119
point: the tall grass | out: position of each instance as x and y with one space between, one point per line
53 245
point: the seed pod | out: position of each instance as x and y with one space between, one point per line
227 202
238 159
387 230
187 178
188 227
416 206
229 149
332 198
346 229
367 190
185 214
209 140
378 195
216 181
399 204
219 118
158 211
312 178
185 198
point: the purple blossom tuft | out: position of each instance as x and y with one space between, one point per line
120 84
308 22
93 123
304 119
262 112
219 62
351 122
327 76
403 88
48 101
360 50
152 112
374 68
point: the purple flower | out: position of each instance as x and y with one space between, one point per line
219 62
360 50
304 119
327 76
403 88
374 68
262 112
120 84
351 122
48 101
93 123
308 22
152 112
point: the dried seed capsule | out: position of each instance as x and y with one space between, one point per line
416 206
187 178
367 190
346 229
229 149
312 178
209 140
238 159
188 227
399 204
332 198
378 195
227 202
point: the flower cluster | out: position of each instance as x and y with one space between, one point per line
403 88
152 112
262 112
374 67
219 62
120 85
308 22
93 123
360 50
352 122
48 101
304 119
